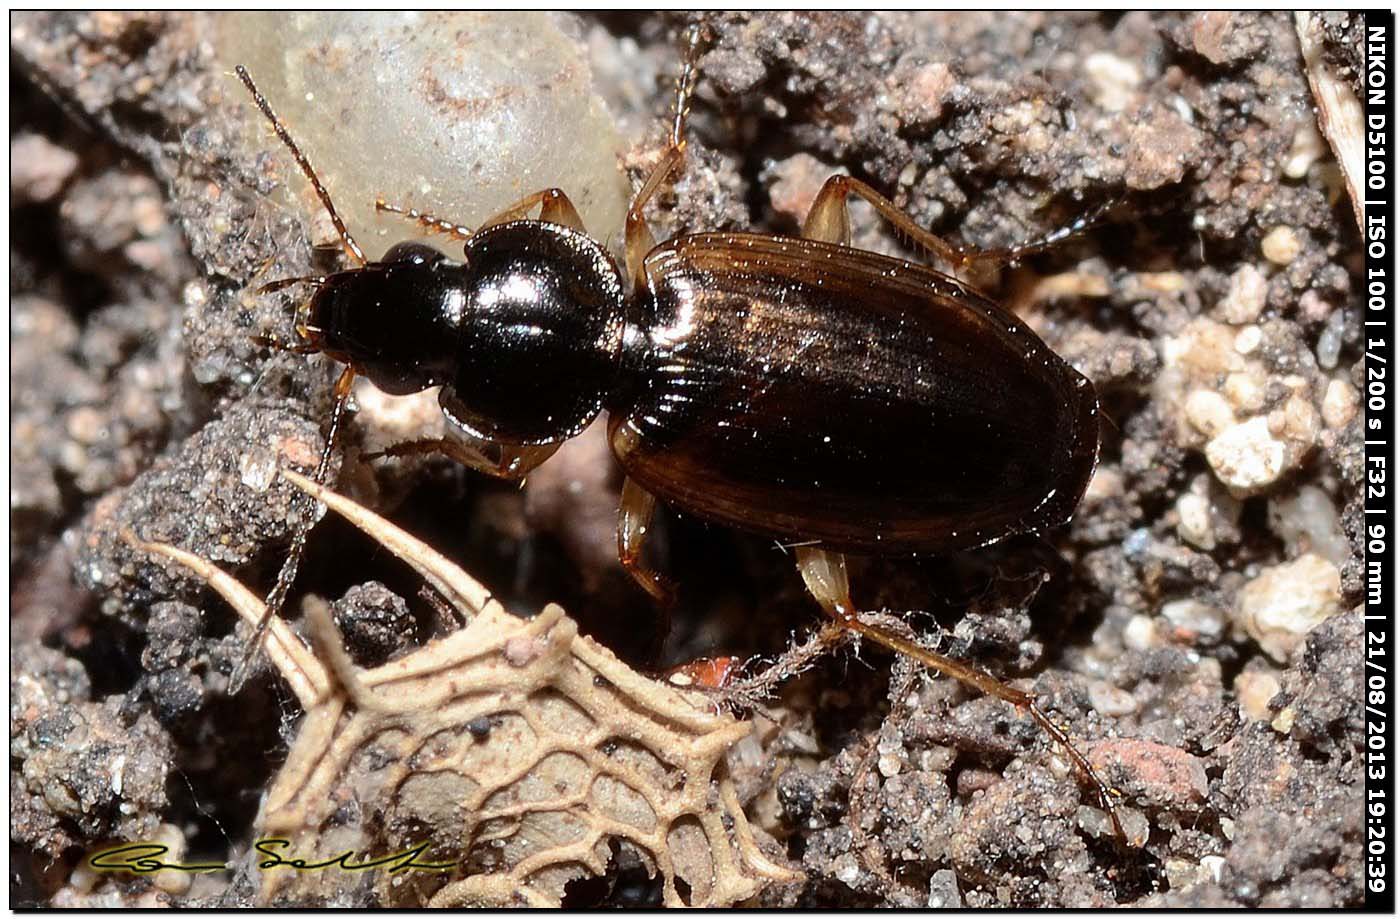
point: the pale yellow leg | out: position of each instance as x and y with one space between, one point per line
503 461
824 573
555 207
633 524
829 221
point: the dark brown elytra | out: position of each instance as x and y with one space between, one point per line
795 388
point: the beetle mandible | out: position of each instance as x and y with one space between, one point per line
796 388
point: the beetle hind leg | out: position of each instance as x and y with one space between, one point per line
824 573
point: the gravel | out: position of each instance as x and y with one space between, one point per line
1218 313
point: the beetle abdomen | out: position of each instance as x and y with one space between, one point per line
771 389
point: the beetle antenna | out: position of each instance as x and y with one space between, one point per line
351 247
277 596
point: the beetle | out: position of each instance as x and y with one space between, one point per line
795 388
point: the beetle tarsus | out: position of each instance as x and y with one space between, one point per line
825 575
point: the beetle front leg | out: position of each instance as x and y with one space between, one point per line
824 573
502 461
633 524
555 207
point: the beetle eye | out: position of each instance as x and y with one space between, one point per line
413 253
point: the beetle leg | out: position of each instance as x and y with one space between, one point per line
555 207
824 573
639 237
1008 254
503 461
428 222
829 221
633 521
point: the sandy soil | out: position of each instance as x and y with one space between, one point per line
1195 626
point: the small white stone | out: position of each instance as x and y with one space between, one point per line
890 766
1114 79
1280 606
83 879
1246 457
1135 826
1109 700
1093 821
1140 633
1244 301
257 469
118 773
1208 412
1193 521
1254 689
1281 246
1245 392
1215 864
1330 339
1339 404
1195 616
1308 147
1300 421
1248 339
195 294
1204 348
943 890
1283 723
1306 520
1181 873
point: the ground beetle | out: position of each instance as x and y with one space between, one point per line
796 388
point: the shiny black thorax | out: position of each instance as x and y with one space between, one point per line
523 334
